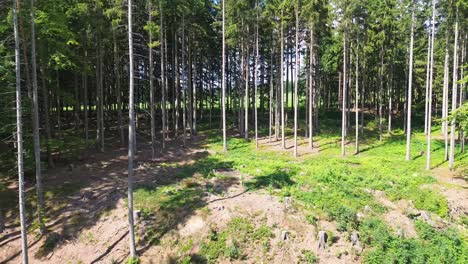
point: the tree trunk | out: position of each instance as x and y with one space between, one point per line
454 94
19 138
162 81
283 138
296 82
445 95
36 137
356 102
429 105
177 85
194 98
247 101
131 132
85 97
224 84
410 91
270 97
381 77
184 83
344 93
426 103
311 86
255 81
151 87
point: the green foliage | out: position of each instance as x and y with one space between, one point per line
460 116
239 235
432 246
309 257
132 260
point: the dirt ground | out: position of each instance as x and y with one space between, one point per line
91 227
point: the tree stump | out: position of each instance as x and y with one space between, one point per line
323 238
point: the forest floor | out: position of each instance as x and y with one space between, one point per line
198 205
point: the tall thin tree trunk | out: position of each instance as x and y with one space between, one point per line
247 101
184 83
19 138
426 103
343 94
224 85
454 94
296 82
356 102
151 86
410 90
270 104
311 86
256 80
381 77
429 105
163 88
131 132
445 95
177 85
36 138
283 136
194 98
85 95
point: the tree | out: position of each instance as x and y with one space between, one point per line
410 89
344 95
19 136
356 102
429 98
454 94
283 136
224 84
131 132
150 28
296 77
256 77
37 144
163 77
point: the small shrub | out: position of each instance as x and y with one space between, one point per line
309 257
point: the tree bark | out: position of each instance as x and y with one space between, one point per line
151 86
162 81
429 99
256 80
445 95
131 132
296 82
36 137
454 94
283 136
19 138
224 84
426 103
410 90
344 93
356 102
311 86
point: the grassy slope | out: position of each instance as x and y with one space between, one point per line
334 188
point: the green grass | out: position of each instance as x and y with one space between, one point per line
329 187
232 242
335 188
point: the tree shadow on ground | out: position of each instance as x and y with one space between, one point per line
97 183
